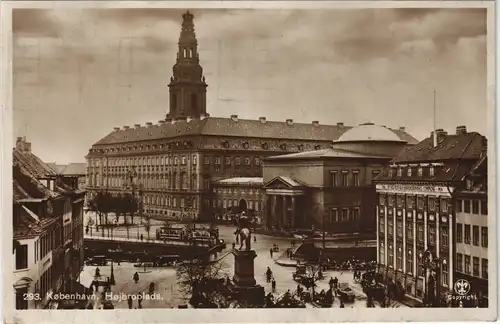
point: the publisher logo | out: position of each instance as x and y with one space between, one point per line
462 287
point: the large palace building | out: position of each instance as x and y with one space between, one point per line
173 164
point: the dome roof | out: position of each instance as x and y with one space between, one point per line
369 132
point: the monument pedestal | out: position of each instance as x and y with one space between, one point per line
243 286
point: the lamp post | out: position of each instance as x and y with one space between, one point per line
434 264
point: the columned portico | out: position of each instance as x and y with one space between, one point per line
286 196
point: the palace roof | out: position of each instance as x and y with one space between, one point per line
234 127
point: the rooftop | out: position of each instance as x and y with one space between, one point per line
468 146
242 180
325 153
69 169
234 127
369 133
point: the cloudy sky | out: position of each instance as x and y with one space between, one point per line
79 73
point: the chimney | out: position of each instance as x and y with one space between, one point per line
440 134
340 125
161 122
27 147
136 126
204 116
262 120
402 129
116 129
234 118
126 127
289 122
149 124
189 118
315 123
461 130
22 145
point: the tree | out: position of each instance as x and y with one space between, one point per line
202 280
312 275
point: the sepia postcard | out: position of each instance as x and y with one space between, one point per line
248 162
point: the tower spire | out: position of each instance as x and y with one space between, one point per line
187 84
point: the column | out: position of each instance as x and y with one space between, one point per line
293 212
450 257
377 219
274 205
386 257
425 230
404 241
438 233
394 235
415 256
284 218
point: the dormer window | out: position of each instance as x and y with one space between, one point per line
400 172
419 171
431 171
408 172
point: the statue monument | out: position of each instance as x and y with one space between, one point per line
243 286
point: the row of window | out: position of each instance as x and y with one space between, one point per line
431 232
464 265
345 179
176 160
228 191
472 206
409 262
408 201
410 171
464 234
229 203
344 215
169 201
169 181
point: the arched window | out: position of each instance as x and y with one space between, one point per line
191 53
185 53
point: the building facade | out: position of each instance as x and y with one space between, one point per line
330 189
235 195
48 230
471 260
417 214
175 162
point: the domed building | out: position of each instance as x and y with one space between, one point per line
330 189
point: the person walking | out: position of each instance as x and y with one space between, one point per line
273 285
271 252
129 301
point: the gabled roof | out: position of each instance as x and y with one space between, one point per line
284 182
33 164
466 146
69 169
26 186
218 126
325 153
29 226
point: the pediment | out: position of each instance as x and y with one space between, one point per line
282 183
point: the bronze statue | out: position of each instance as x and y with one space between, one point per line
243 233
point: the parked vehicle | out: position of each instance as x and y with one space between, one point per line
98 260
345 293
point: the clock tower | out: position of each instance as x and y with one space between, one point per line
187 84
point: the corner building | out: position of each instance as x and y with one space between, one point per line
173 164
418 196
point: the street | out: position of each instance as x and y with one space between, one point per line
166 282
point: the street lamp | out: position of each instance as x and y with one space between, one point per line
432 263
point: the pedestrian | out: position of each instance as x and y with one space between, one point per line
86 230
255 238
97 272
129 300
142 237
273 285
271 252
139 300
342 304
